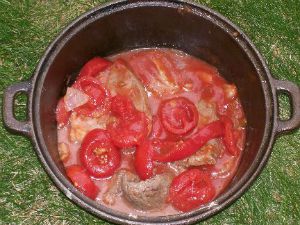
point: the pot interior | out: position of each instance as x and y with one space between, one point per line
118 29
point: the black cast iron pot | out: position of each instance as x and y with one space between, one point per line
125 25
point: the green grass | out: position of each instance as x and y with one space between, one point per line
27 195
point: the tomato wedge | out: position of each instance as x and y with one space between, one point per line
178 115
191 189
99 98
229 139
98 155
131 125
93 67
82 181
62 115
144 160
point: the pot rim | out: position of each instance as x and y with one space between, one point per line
225 199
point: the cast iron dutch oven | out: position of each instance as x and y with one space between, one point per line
124 25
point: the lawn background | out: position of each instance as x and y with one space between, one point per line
28 196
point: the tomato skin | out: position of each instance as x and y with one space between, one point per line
229 137
62 115
98 155
99 98
93 67
178 115
144 160
191 189
82 181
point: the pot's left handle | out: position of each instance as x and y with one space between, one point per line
23 127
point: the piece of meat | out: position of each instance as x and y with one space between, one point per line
63 151
103 77
146 195
81 125
207 155
207 112
114 188
177 167
230 91
156 70
225 168
142 195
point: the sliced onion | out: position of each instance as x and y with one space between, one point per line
75 98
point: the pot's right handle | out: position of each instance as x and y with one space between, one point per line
294 92
23 127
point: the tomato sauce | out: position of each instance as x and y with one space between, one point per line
160 115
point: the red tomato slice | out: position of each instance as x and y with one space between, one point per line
82 181
178 115
93 67
144 160
122 107
172 151
93 88
191 189
62 115
99 98
129 132
131 126
229 139
98 155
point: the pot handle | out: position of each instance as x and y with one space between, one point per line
294 93
23 127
